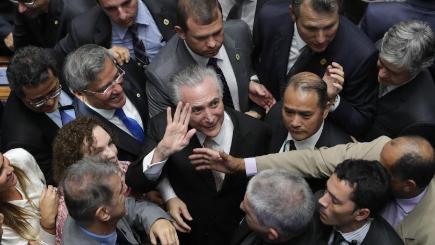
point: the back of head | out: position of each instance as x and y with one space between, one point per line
320 6
369 180
200 11
409 45
29 67
69 144
310 82
82 66
281 201
86 188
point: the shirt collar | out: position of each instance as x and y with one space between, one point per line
107 114
407 205
201 60
220 138
300 43
308 143
142 18
359 234
102 239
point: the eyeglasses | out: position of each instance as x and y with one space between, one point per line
50 96
28 3
108 88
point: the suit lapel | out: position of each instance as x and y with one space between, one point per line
160 11
394 99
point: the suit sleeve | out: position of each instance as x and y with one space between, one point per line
142 214
321 162
157 100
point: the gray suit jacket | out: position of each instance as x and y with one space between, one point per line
175 57
140 216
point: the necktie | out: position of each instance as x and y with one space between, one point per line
131 124
218 176
339 239
236 11
289 146
64 117
138 47
228 101
298 66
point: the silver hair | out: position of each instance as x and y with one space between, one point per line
281 200
409 45
192 76
86 188
320 6
83 66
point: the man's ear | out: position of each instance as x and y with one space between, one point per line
292 12
326 110
409 186
180 32
362 214
102 214
272 234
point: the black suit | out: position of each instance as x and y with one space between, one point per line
95 27
33 131
350 48
129 148
48 28
406 109
215 214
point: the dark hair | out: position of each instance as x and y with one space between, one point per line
307 81
414 167
201 11
68 145
320 6
29 67
370 182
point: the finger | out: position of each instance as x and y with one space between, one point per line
178 112
189 135
337 79
203 167
168 115
181 223
163 237
153 238
337 86
179 228
189 112
186 214
184 114
336 65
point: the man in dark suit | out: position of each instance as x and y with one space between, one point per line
379 17
44 22
7 10
142 26
319 36
211 199
405 100
37 106
202 39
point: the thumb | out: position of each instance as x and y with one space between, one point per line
153 238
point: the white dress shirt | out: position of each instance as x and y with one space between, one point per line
356 235
306 144
248 10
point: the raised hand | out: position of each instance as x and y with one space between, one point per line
334 77
179 212
205 158
164 233
259 94
120 54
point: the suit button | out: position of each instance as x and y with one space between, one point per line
138 95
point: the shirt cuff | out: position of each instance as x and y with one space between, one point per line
166 190
152 170
336 103
250 166
255 78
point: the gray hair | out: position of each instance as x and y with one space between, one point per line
410 45
192 76
281 200
83 66
320 6
86 188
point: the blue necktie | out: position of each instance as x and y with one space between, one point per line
131 124
65 117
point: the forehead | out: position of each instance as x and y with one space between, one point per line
310 16
40 90
391 67
108 73
341 189
197 29
200 94
100 135
296 97
112 3
389 156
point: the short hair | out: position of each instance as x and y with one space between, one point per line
83 66
281 200
370 182
86 188
193 76
409 45
200 11
320 6
68 145
29 67
417 162
307 82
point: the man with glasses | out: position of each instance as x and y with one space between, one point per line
37 106
44 22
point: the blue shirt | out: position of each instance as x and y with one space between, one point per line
103 240
147 30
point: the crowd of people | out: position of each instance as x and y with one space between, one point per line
218 122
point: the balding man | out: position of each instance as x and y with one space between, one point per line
409 160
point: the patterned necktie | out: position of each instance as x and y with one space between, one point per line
65 117
140 52
289 145
228 101
131 124
218 176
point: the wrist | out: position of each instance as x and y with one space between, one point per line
48 226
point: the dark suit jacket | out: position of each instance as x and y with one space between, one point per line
24 128
215 214
46 30
94 26
379 17
405 109
350 48
129 149
175 57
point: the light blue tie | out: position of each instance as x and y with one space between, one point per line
65 117
131 124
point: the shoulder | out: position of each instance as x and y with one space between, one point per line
350 38
381 232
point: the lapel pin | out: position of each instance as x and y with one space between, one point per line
237 56
166 22
138 95
323 62
56 22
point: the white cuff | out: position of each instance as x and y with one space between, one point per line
166 190
152 170
336 103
